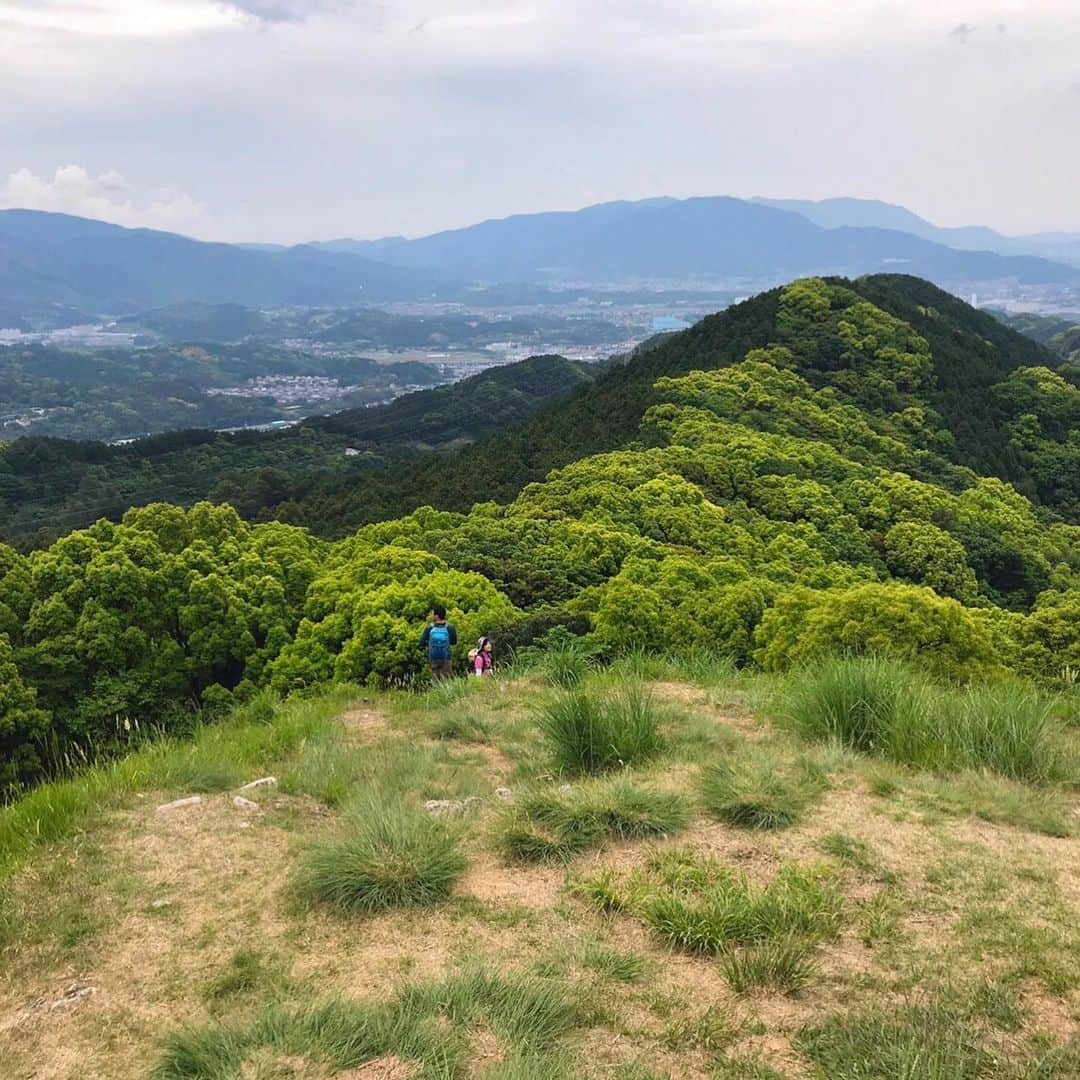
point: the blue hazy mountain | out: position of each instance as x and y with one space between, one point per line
97 267
871 213
702 237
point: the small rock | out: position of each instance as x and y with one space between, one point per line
503 793
266 781
191 800
451 806
158 904
71 997
244 804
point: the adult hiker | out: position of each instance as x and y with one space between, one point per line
480 661
438 639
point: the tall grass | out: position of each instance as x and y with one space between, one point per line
590 732
393 856
879 706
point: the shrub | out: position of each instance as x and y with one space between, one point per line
396 857
550 825
589 733
906 622
758 791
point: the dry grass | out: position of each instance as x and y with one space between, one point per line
134 929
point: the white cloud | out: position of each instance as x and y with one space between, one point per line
109 197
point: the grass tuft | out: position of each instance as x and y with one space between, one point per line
757 790
784 965
590 733
930 1040
548 826
395 857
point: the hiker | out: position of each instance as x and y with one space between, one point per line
480 658
438 639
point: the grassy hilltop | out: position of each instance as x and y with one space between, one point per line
662 869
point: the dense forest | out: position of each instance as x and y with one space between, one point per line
50 486
867 466
1059 333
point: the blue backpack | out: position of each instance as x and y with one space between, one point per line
439 643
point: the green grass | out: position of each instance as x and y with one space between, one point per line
590 732
783 965
459 725
248 973
428 1025
334 770
928 1041
701 906
613 964
550 825
710 1030
393 856
757 790
565 662
880 706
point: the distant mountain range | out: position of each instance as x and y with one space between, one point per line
671 239
50 259
58 263
870 213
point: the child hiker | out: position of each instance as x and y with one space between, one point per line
438 639
480 658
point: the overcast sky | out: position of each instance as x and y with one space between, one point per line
289 120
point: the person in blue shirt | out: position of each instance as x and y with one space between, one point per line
439 639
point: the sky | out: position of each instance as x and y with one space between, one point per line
293 120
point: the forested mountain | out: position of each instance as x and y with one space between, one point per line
681 239
49 486
871 213
972 355
816 470
1059 333
46 259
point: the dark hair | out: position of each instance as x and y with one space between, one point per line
438 611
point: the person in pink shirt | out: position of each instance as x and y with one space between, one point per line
480 658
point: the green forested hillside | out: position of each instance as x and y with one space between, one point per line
801 476
970 353
50 486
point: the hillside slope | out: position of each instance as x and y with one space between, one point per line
49 486
631 925
801 498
